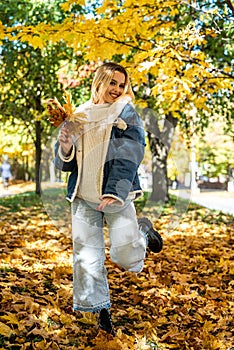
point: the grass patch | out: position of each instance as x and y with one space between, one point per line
23 200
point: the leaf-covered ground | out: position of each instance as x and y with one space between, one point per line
183 299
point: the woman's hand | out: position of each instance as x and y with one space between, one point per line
105 202
65 139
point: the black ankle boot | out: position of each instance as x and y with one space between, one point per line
154 240
105 321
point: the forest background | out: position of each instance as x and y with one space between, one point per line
180 58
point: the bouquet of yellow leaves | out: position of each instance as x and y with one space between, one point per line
61 113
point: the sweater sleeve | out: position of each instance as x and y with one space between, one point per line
125 155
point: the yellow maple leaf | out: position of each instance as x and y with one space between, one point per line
88 318
5 330
36 42
66 319
68 107
42 345
59 113
67 5
11 318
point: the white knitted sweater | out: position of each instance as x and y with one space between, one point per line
93 143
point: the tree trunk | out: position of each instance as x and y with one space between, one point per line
38 156
159 169
160 139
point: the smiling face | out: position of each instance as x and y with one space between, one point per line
115 88
110 81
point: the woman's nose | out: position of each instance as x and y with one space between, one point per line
117 88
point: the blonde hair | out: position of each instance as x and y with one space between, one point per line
103 77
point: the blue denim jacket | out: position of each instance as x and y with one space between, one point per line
124 155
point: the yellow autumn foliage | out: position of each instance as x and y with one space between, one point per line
149 43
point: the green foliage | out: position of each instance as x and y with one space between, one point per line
215 160
220 49
31 12
18 202
28 75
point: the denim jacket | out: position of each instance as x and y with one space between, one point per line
124 155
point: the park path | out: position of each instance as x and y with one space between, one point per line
17 188
215 199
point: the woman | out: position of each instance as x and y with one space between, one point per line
103 160
6 173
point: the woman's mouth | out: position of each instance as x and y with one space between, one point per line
114 96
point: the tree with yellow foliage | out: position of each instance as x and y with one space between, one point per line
168 48
28 76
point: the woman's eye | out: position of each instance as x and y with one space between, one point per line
112 83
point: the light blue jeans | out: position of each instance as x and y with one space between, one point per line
127 249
